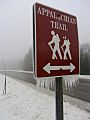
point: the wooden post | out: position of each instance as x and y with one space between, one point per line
4 91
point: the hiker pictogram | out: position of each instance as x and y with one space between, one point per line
56 41
57 47
66 44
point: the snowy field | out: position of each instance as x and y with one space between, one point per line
24 102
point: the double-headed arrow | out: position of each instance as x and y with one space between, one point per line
48 68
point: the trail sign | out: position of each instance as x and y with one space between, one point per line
56 42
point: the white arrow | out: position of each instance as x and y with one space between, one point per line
48 68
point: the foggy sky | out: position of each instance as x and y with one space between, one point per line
16 23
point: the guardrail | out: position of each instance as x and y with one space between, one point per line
22 75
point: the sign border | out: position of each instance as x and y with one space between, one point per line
35 46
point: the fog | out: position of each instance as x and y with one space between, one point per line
16 24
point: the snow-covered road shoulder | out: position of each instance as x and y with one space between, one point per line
24 102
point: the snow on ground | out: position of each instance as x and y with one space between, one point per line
24 102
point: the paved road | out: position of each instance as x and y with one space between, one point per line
81 91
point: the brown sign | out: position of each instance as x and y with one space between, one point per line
56 42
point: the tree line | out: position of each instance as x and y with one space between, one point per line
85 59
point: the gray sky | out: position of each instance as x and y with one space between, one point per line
16 23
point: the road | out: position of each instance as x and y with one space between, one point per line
81 91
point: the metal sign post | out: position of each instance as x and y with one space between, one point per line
59 99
